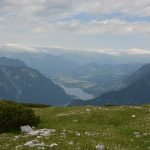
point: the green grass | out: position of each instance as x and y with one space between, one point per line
77 129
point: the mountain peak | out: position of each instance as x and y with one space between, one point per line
5 61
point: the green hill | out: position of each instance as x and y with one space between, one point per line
117 128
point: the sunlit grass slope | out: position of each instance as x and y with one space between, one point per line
117 128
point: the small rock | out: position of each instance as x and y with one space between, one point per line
34 143
53 145
28 143
70 143
40 132
88 110
100 147
33 133
16 137
26 129
138 136
133 116
75 121
87 133
78 134
145 134
136 133
122 106
18 147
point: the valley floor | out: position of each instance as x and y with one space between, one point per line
83 128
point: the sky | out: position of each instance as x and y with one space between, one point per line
109 25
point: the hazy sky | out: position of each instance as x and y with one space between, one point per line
109 24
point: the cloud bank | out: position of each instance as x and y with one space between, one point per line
45 21
15 48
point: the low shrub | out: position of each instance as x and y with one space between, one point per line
14 115
110 105
35 105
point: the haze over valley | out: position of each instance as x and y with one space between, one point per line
79 80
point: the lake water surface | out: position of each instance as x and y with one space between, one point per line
77 92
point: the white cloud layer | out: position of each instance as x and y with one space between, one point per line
61 8
20 12
22 20
113 26
15 48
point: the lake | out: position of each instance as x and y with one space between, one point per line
77 92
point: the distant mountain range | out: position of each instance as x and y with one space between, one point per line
93 72
69 69
82 57
98 79
136 93
48 64
23 84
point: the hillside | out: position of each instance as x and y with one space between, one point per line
24 84
4 61
139 74
136 93
84 128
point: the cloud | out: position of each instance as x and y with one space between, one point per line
94 27
12 47
39 15
136 51
33 21
114 52
15 48
38 11
126 7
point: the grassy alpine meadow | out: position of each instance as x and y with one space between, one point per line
84 128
